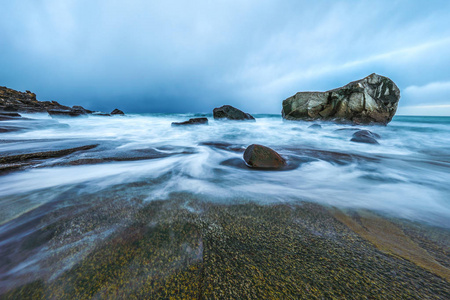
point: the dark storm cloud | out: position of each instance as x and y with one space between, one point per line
179 56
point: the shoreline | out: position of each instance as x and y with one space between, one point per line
189 248
85 214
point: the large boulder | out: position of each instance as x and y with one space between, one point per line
231 113
262 157
371 100
194 121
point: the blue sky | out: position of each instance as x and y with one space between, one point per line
192 56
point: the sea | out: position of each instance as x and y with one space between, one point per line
140 158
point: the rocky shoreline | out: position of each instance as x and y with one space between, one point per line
115 243
19 102
188 248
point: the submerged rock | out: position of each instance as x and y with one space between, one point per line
315 126
44 155
365 136
117 112
231 113
101 114
194 121
373 99
258 156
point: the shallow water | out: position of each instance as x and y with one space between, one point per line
406 175
141 158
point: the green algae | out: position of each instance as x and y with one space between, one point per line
185 248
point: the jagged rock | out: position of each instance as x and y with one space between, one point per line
365 136
117 112
373 99
15 101
231 113
12 100
258 156
81 110
194 121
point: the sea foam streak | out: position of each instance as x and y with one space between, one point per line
406 175
86 196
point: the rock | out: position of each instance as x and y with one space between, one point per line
4 116
194 121
65 113
315 126
117 112
102 114
231 113
43 155
365 136
15 101
348 129
9 114
258 156
371 100
81 110
12 100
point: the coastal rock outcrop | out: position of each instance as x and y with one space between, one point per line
194 121
231 113
371 100
262 157
117 112
12 100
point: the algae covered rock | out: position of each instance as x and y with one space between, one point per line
258 156
371 100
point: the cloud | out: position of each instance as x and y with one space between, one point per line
173 56
434 92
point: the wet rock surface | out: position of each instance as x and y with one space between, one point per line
315 126
11 162
66 113
231 113
365 136
187 248
258 156
224 146
193 121
371 100
9 116
12 124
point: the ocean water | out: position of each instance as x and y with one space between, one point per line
141 158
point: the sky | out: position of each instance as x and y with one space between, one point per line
191 56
